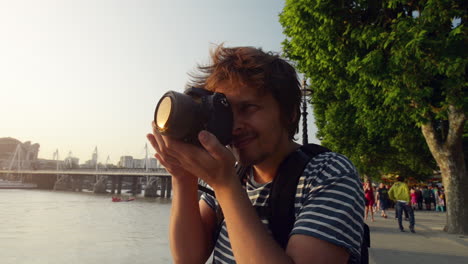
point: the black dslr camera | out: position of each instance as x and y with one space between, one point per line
183 115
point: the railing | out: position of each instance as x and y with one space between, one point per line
136 173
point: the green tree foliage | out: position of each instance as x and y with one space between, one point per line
388 81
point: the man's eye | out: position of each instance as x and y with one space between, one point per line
249 108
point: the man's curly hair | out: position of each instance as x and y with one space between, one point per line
251 67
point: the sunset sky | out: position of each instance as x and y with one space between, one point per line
76 74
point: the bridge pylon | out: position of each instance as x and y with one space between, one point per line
17 163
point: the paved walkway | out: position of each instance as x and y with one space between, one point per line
430 244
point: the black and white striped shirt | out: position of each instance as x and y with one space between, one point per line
329 205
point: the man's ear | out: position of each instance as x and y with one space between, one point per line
295 116
291 120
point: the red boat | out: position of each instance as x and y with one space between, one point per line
118 199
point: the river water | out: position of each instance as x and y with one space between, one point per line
38 226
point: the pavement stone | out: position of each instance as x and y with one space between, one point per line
430 244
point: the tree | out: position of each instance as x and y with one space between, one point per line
399 149
378 70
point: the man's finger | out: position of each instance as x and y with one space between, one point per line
153 142
160 143
212 145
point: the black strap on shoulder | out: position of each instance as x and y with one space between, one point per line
283 191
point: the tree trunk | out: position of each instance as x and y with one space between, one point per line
456 187
450 159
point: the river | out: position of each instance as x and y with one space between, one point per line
38 226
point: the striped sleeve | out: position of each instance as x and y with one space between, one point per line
332 203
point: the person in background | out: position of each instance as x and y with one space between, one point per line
382 198
401 195
419 198
426 197
414 198
440 200
435 191
432 196
369 195
376 205
396 211
442 189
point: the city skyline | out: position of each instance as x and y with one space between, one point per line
81 74
15 154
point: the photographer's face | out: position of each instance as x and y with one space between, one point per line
258 133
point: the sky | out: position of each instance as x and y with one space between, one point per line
80 74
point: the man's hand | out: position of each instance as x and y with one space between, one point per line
213 163
216 162
192 222
168 158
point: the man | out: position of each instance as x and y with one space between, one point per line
435 196
419 197
426 197
382 197
400 193
432 196
265 97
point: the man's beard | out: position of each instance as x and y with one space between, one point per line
243 160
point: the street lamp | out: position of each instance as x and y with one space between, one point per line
305 93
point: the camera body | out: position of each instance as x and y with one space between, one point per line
183 115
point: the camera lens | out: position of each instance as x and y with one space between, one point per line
163 113
176 115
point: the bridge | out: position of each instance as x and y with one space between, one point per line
67 176
108 172
153 180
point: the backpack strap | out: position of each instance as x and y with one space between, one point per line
283 191
283 194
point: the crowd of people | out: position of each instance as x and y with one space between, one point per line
405 200
425 197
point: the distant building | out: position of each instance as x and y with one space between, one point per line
153 163
46 164
126 162
95 156
93 162
138 164
24 154
16 154
131 163
71 163
89 164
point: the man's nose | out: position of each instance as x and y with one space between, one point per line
237 124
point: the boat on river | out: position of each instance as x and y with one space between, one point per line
118 199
